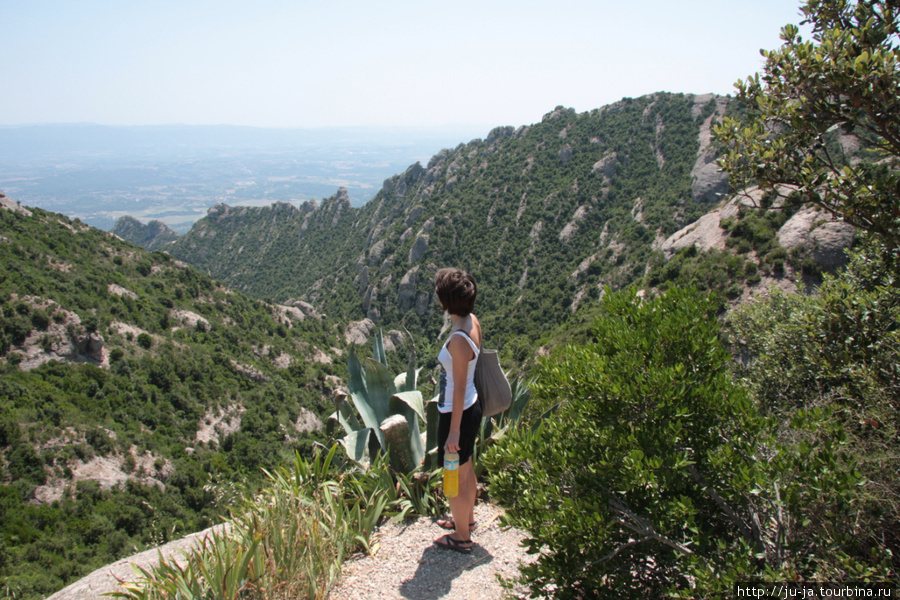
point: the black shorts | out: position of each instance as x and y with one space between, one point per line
469 427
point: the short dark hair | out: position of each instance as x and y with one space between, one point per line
456 290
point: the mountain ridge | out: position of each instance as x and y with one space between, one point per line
582 188
544 215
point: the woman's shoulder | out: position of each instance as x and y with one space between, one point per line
475 334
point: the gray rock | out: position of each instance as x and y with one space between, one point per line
607 166
419 247
498 133
308 309
376 252
105 580
816 230
358 332
708 182
414 214
407 291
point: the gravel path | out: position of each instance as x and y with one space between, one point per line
406 564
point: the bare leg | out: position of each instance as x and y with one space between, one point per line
472 488
462 507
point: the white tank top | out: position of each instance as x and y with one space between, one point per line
445 398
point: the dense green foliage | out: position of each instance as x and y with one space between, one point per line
179 352
669 469
837 351
659 475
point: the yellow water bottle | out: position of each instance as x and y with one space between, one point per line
451 474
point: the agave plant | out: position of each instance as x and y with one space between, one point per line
389 412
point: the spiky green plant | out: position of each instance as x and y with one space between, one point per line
389 412
288 542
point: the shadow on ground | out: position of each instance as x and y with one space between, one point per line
437 569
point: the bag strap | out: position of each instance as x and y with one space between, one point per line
471 340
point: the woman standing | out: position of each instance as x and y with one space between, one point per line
460 411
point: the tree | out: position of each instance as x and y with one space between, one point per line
814 97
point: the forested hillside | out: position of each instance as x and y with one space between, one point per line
543 215
139 398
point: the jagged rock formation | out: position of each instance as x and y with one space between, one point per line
64 339
155 235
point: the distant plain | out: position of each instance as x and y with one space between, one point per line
175 173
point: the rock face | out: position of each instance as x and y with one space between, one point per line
418 249
106 580
63 339
13 206
606 166
706 233
155 235
815 230
809 229
708 182
407 291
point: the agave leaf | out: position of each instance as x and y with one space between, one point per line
487 427
357 385
431 426
412 373
378 350
402 401
380 388
357 445
400 381
416 447
345 416
521 395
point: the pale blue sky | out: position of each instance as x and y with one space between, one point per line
303 63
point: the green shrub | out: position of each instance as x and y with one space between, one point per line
657 475
838 351
144 341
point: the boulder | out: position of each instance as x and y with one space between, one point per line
607 165
818 231
358 332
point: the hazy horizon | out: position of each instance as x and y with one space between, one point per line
299 64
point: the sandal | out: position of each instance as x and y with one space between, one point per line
449 524
465 547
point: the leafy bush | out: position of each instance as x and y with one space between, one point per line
658 474
838 351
